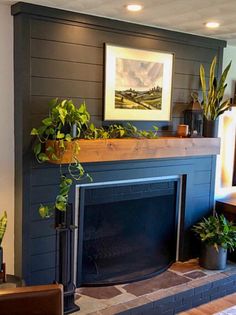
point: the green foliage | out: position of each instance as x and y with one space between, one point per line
65 123
218 231
212 103
3 226
119 131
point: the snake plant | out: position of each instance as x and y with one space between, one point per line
3 226
212 104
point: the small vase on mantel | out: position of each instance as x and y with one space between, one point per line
210 128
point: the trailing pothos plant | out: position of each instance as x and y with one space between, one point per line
213 104
65 123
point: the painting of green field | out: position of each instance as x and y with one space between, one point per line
138 84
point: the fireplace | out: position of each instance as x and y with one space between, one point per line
128 230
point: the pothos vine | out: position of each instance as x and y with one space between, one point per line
65 123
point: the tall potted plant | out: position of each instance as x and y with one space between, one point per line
213 104
3 226
217 235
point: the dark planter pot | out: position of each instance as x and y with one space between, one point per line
1 257
210 128
212 259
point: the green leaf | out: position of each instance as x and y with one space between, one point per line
43 157
37 148
44 211
34 132
47 121
53 102
60 135
68 137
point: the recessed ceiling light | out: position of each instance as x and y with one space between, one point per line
134 7
212 24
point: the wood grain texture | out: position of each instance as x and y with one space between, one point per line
136 149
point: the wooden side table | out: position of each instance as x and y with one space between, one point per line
12 282
227 207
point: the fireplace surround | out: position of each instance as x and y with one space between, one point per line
60 54
128 229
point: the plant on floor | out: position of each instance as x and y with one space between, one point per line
216 230
65 123
3 226
213 104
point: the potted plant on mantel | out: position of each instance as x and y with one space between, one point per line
3 226
217 235
212 103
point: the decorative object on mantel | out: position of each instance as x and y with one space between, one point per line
193 117
217 235
213 104
3 226
183 131
138 84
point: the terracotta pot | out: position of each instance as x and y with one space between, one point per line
210 128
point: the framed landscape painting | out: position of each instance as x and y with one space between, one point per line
138 84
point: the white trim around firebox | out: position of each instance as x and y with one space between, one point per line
125 181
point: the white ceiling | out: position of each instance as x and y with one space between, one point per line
187 16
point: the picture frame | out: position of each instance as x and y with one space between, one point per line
138 84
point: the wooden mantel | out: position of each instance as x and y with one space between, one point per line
139 149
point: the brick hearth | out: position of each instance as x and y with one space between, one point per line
181 287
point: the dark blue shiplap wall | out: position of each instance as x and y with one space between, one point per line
59 53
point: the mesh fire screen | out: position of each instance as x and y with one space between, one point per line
129 231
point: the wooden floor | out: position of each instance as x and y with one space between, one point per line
213 307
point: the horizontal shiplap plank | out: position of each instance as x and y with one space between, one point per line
76 34
43 245
39 104
40 229
66 52
46 193
60 87
202 177
43 261
66 70
46 276
201 190
184 81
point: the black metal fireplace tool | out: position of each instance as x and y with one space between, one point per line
65 234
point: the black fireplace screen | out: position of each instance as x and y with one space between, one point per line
129 231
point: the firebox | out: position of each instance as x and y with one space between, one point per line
128 230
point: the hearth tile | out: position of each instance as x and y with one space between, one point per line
207 280
116 309
183 267
182 288
195 274
89 305
140 301
154 296
163 281
122 298
99 292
